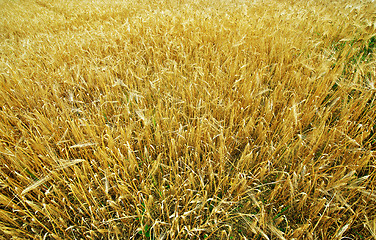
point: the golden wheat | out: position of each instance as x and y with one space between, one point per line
187 119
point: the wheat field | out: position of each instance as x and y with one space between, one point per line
189 119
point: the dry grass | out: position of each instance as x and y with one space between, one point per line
187 119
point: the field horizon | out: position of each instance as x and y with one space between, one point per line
187 119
